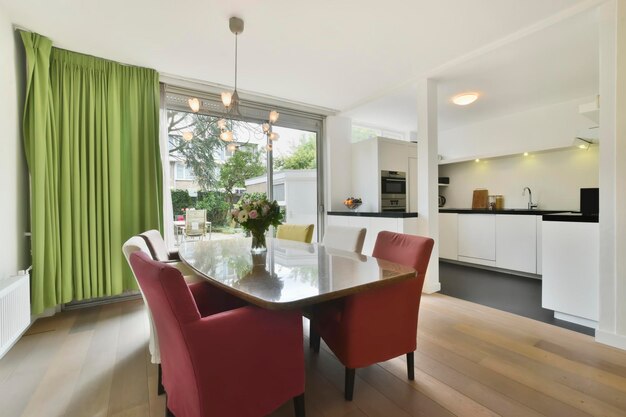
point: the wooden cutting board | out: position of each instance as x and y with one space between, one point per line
480 200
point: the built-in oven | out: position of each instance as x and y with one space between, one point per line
392 191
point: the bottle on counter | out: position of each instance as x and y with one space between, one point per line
499 202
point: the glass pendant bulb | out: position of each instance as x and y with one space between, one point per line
227 98
273 136
266 127
221 123
194 104
268 147
274 116
187 136
232 147
226 136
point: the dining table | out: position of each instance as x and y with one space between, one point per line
289 274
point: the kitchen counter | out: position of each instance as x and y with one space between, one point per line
571 217
535 212
386 214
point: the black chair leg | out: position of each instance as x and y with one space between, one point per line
410 365
349 383
298 405
314 340
168 412
160 387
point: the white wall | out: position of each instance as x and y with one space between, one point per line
612 324
365 174
338 161
555 178
542 128
14 216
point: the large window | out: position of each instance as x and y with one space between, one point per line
223 171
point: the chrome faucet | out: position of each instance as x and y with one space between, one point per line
531 205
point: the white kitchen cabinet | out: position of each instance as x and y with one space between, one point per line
448 236
477 238
570 257
516 242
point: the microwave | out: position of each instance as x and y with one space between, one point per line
392 184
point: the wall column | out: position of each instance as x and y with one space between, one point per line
428 175
612 315
338 161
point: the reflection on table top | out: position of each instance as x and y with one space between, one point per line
290 274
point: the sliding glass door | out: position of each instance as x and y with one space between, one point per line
209 173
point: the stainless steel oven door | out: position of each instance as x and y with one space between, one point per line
396 186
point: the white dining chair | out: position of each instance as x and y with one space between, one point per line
346 238
195 223
132 245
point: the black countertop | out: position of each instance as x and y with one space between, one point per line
571 217
503 211
388 214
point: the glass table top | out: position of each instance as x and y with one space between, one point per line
290 274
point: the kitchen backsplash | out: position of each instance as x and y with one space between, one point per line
555 178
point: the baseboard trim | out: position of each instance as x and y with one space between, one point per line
74 305
576 320
491 268
611 339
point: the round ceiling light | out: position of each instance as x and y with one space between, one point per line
464 99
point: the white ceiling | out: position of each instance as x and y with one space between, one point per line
552 65
336 54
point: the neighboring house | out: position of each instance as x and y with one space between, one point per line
182 176
295 190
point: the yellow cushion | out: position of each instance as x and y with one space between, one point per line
297 232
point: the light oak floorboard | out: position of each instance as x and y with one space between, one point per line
471 360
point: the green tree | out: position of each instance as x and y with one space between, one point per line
242 165
181 200
216 206
304 156
199 151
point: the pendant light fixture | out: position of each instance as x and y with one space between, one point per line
231 101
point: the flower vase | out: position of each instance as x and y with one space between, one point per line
258 241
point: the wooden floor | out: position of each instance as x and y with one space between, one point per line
471 361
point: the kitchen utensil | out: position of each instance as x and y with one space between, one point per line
480 199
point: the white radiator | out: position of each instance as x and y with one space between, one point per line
14 310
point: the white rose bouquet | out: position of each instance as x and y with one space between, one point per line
255 213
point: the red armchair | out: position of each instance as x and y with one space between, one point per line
242 363
381 324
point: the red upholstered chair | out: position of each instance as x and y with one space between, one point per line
243 362
380 324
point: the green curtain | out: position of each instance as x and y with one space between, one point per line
91 137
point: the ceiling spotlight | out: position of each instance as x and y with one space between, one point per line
476 160
525 153
582 143
464 99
